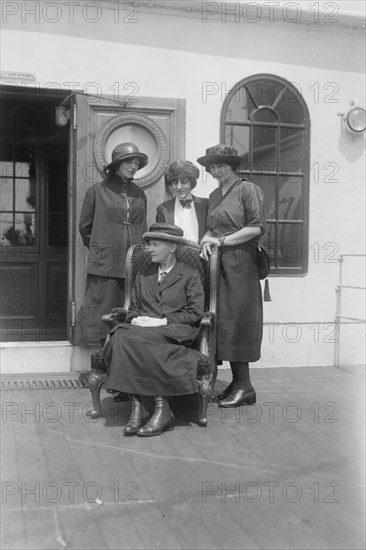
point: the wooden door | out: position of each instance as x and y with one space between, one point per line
33 219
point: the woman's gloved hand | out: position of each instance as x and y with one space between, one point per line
145 321
206 246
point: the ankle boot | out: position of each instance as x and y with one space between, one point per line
161 420
138 416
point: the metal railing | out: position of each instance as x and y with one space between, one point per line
338 316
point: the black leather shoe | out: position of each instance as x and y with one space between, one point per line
227 391
239 397
161 420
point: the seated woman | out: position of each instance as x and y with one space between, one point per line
184 209
147 354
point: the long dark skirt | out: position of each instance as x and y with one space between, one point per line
101 295
152 361
240 311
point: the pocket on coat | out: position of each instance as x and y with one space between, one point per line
101 255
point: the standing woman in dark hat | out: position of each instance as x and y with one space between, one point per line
235 223
184 209
112 218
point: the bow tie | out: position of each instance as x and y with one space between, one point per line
186 203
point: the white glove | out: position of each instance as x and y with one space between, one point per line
145 321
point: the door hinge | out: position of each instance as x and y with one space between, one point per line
73 309
74 121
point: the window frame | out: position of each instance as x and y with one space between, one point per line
250 172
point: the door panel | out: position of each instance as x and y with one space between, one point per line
56 290
18 284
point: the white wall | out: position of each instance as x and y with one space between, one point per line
174 55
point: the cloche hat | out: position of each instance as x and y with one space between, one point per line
220 154
165 232
126 151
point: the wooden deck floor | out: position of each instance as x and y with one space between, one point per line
286 473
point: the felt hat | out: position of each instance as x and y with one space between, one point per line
220 154
124 152
165 232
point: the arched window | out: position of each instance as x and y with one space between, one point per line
266 119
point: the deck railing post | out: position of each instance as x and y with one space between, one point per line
338 315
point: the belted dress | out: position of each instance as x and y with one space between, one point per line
240 308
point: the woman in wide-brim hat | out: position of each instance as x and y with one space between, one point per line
235 222
113 217
146 355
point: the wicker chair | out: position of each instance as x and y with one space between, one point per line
138 259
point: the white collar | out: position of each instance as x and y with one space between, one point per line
166 270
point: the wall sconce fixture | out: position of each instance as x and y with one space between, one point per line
355 119
62 116
62 113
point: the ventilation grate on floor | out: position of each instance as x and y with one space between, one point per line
45 381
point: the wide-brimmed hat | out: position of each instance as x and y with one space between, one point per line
220 154
181 169
126 151
165 232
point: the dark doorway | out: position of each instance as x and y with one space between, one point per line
33 216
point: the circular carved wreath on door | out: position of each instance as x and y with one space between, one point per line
153 132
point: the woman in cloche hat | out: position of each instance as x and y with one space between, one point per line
113 217
147 355
235 223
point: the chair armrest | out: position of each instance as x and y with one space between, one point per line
115 316
204 366
97 362
207 319
207 346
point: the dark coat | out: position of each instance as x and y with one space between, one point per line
179 297
165 213
154 360
104 228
